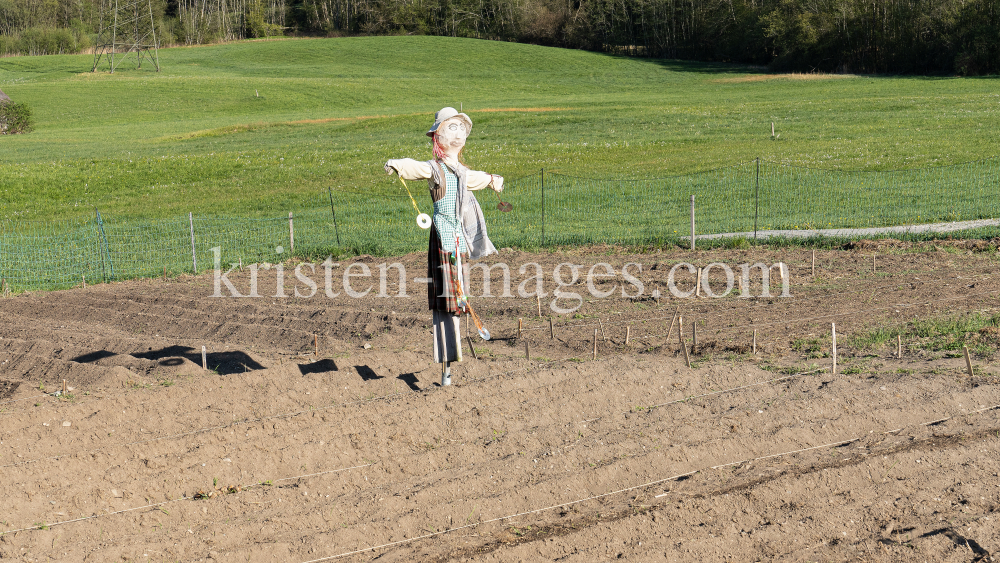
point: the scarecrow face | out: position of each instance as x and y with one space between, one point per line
452 134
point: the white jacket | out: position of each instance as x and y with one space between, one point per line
467 207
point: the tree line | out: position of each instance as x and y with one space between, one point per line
861 36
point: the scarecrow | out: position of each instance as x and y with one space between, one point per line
456 231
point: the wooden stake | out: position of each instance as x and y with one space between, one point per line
519 322
672 321
628 332
754 342
538 303
316 343
552 333
473 348
527 355
291 234
694 334
697 287
164 273
873 262
64 384
814 264
968 360
84 281
899 347
204 359
604 334
680 339
833 332
595 343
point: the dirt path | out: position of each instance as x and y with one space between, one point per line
277 454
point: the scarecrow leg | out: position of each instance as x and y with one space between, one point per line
445 374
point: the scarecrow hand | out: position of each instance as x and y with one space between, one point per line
497 184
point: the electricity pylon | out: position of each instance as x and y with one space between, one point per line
126 27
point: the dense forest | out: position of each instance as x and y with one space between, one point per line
861 36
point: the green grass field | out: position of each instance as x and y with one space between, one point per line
262 128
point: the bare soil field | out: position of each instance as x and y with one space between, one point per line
320 431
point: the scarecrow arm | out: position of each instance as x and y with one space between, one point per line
409 169
477 180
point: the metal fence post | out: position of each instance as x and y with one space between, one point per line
100 249
105 250
692 223
336 229
756 200
543 207
194 256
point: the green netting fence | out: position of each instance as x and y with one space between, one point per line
550 208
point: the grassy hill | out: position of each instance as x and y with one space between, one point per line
258 127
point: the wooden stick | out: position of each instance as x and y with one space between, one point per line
873 262
968 360
164 273
538 303
899 347
628 332
316 343
527 355
552 333
204 359
680 338
84 281
291 234
595 343
697 286
64 386
604 334
473 348
672 321
519 321
694 334
754 342
833 332
814 264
